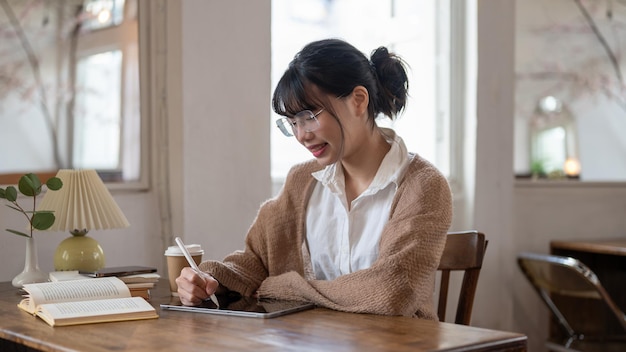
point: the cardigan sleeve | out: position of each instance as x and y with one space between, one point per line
401 281
272 242
265 253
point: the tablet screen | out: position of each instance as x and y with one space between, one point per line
241 306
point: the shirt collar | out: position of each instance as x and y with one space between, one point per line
390 171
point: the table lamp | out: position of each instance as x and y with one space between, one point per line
82 204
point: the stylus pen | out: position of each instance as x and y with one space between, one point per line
194 266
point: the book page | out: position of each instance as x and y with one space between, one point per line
74 290
81 312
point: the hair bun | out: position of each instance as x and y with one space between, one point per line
378 56
392 80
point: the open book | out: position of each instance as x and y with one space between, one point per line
84 301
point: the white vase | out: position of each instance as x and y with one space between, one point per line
31 272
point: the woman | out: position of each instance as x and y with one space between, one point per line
362 227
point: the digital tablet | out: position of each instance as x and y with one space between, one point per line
119 271
241 307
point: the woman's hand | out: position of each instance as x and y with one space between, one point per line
193 288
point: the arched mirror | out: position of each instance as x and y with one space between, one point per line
554 148
70 87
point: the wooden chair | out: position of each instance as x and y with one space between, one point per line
464 251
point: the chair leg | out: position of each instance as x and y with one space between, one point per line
555 347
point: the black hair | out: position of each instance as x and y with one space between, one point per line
336 68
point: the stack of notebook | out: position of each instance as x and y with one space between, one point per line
140 284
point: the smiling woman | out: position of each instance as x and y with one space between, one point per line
69 86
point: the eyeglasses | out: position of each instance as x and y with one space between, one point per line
305 121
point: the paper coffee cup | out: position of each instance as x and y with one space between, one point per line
176 261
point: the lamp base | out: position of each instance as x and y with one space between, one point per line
79 252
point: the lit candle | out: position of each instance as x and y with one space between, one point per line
572 167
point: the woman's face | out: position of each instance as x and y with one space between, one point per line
326 143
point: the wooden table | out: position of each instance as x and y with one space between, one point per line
605 246
607 258
314 330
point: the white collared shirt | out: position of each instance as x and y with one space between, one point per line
342 241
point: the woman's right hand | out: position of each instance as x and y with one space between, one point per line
194 288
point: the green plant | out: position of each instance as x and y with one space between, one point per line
537 169
30 186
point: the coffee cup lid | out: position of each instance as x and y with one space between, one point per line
194 249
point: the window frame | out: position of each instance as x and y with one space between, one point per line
458 92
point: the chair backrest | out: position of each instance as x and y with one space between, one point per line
464 251
566 277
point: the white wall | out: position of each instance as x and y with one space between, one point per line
217 100
493 174
225 149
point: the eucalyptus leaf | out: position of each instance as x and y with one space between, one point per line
29 185
54 183
11 194
42 220
18 233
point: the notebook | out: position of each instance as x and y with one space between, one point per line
241 307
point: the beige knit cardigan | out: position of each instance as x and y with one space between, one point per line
275 262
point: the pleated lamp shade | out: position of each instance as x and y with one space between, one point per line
82 204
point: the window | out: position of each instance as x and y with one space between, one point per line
97 121
106 112
75 102
418 31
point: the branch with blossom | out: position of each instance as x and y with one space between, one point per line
588 77
601 39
